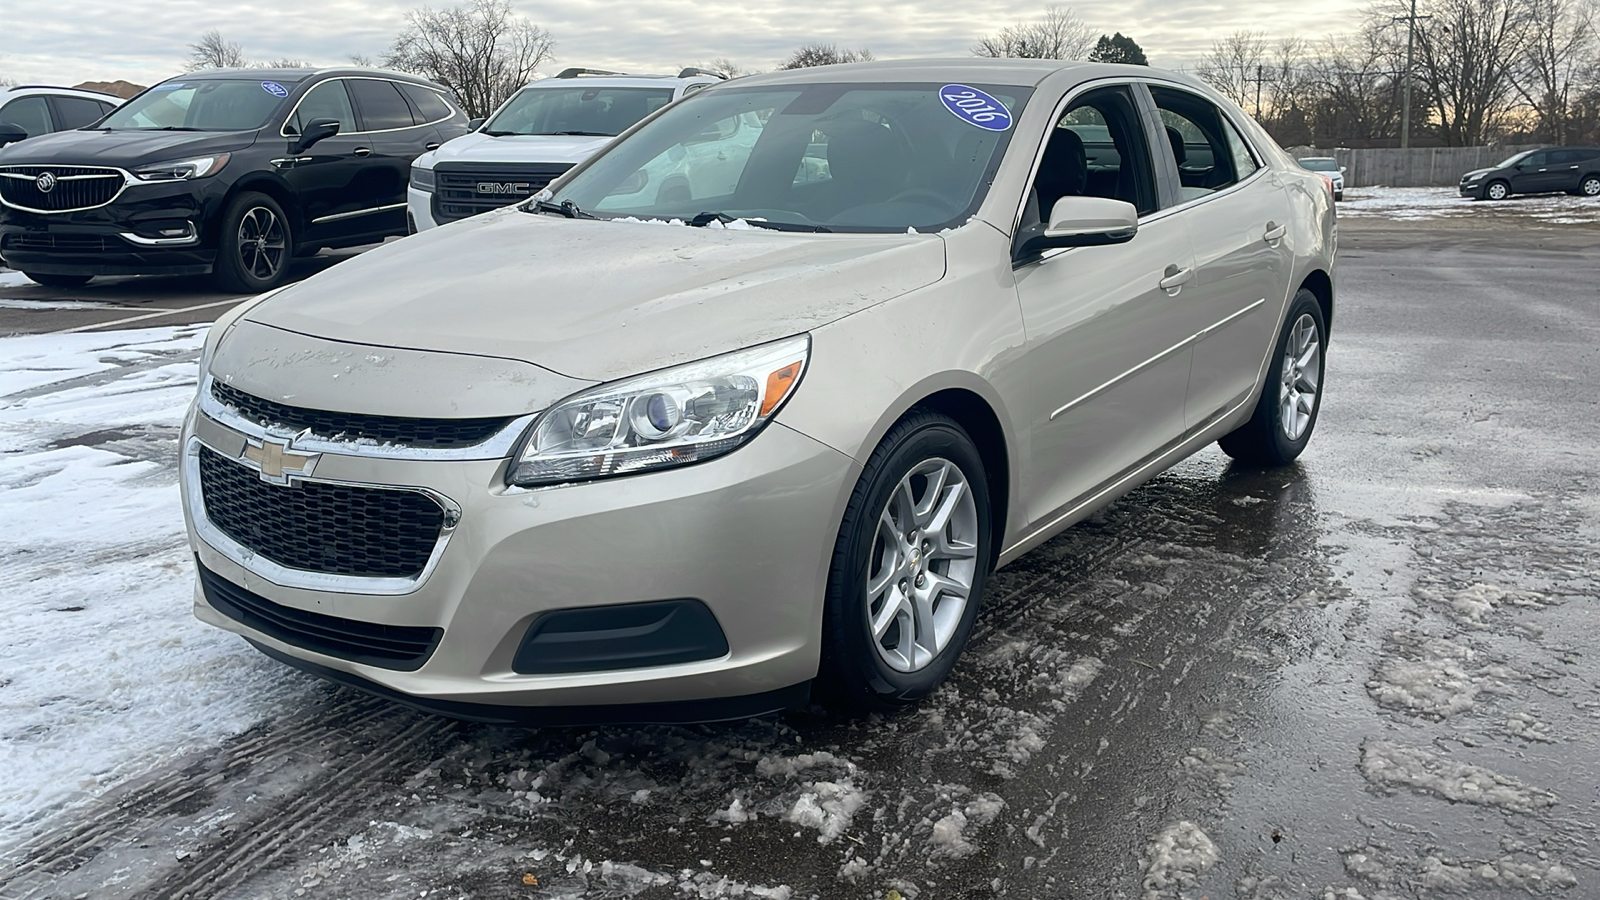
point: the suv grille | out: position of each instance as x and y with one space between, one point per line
465 191
401 647
315 527
429 433
62 243
71 187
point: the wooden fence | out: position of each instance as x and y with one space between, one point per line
1415 167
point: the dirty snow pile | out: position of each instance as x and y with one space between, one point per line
104 671
1447 203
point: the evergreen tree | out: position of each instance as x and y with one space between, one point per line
1115 48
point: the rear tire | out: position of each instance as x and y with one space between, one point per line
909 566
57 281
1589 186
1286 414
254 246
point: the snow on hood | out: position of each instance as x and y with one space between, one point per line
515 148
600 300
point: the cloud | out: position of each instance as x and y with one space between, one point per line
147 40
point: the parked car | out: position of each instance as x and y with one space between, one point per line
613 454
34 109
1329 168
1575 170
229 171
540 132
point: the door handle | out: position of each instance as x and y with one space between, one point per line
362 151
431 145
1274 232
1175 278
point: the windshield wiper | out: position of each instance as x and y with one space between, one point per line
701 220
565 208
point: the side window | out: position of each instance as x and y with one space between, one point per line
1097 149
28 113
327 100
429 105
1542 158
1208 155
382 107
76 112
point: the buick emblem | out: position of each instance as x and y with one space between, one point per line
46 182
276 462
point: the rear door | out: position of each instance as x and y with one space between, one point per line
394 139
1236 214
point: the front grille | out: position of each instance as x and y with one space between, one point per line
435 434
75 187
337 529
45 242
456 193
401 647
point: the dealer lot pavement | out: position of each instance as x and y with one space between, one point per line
1365 675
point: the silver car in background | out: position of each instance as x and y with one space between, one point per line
616 454
1328 168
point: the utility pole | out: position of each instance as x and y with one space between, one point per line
1405 102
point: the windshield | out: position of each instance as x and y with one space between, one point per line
1516 159
817 157
200 105
1320 165
602 112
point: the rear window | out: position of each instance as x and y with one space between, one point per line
382 107
76 112
429 105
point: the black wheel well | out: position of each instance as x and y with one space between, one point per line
276 191
978 419
1321 285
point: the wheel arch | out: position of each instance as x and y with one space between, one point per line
264 183
1320 284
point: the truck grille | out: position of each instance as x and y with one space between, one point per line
70 187
401 647
315 527
45 242
462 191
429 433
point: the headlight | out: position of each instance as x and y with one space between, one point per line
182 169
1475 176
676 416
422 179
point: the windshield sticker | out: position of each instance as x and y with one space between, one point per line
169 86
975 107
274 88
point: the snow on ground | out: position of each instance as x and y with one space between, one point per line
1447 203
104 671
1176 858
1387 765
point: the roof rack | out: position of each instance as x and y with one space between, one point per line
58 87
575 72
692 71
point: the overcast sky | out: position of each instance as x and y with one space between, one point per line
143 41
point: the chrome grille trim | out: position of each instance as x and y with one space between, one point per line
103 172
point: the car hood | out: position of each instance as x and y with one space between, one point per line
1477 172
518 148
600 300
125 149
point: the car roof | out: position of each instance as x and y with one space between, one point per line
1020 72
295 76
24 89
620 80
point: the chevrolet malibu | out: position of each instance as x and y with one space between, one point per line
621 455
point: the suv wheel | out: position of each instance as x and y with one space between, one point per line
57 281
1287 411
908 567
254 251
1589 186
1497 190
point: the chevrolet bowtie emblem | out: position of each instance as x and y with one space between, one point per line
277 462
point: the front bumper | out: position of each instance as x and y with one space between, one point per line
749 535
420 205
125 237
1472 189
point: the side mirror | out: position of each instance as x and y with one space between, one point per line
1082 222
1342 170
475 124
10 134
316 130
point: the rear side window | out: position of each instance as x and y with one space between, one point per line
28 113
382 106
1209 154
76 112
327 100
429 105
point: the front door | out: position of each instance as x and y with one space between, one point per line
327 176
1536 175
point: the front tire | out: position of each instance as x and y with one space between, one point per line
57 281
909 567
1286 414
254 248
1496 190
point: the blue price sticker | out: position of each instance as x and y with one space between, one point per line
274 88
975 107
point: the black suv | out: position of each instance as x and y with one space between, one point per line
231 171
1575 170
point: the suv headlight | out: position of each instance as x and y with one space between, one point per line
673 417
422 179
182 169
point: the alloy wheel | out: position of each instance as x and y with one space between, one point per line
263 248
1498 191
1591 186
1301 378
922 566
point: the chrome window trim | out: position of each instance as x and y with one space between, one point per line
358 212
289 577
496 446
127 181
296 108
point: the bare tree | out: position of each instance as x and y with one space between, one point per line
283 63
725 67
482 51
1558 58
1354 90
213 52
361 59
1236 65
821 54
1465 55
1059 34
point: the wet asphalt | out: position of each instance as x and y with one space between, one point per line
1368 674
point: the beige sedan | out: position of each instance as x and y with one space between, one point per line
622 453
